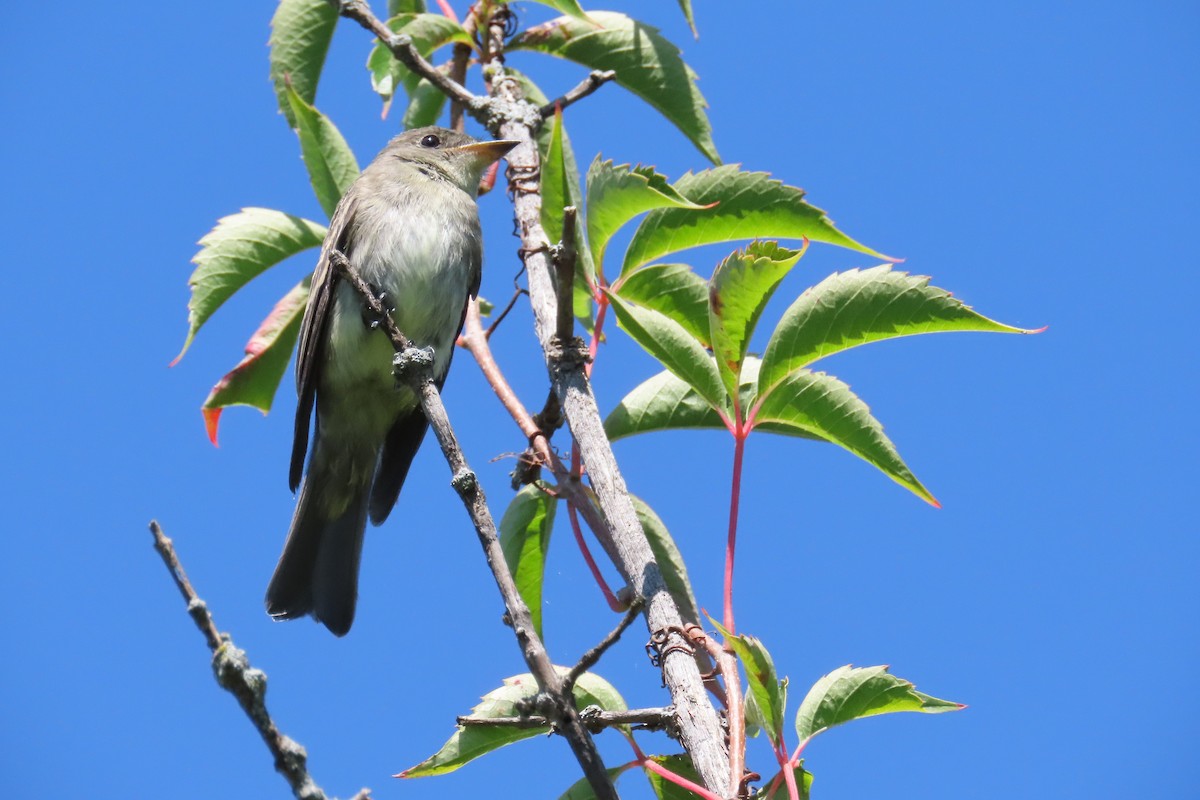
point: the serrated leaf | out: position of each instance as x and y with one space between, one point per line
804 781
669 560
428 32
255 379
472 741
672 289
850 693
329 160
665 402
682 766
749 205
569 7
645 63
769 694
857 307
738 292
525 538
677 350
825 408
301 31
582 789
239 248
662 402
618 193
425 104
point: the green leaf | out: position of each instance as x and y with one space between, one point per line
823 407
397 7
525 538
686 7
472 741
569 7
770 694
853 693
669 559
673 289
738 292
582 789
617 194
664 402
330 161
301 31
645 63
682 766
241 247
255 379
749 205
660 403
560 180
425 104
677 350
804 780
428 31
857 307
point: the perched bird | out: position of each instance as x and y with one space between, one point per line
410 227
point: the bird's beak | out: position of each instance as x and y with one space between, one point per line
486 153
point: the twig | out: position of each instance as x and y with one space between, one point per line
413 365
500 317
475 341
401 46
735 714
595 79
247 684
589 659
594 718
699 725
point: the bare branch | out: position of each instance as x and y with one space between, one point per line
594 718
247 684
699 725
595 79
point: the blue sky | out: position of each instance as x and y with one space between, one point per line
1038 159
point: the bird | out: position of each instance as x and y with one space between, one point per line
409 225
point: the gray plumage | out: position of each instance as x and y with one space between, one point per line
410 227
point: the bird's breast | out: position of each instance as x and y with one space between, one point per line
425 259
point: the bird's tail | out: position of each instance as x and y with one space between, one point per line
318 571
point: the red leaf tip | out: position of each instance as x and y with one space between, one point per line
212 418
1042 329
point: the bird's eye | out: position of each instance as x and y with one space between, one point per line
430 140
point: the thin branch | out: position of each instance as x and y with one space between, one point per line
591 83
595 719
509 307
589 659
475 340
699 725
401 46
248 685
414 366
735 715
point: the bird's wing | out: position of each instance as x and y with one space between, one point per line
312 330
